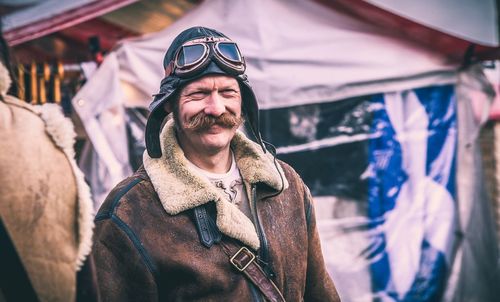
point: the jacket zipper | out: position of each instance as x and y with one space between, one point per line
264 248
263 252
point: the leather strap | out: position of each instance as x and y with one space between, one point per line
206 227
245 261
240 257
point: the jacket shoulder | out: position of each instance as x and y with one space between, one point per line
113 217
293 178
298 187
126 191
287 168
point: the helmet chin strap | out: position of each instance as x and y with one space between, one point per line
260 140
256 134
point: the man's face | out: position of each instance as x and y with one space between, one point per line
207 114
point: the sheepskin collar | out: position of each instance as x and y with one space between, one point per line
181 188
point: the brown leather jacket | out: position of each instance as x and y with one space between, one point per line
147 241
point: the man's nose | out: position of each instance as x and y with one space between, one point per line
215 105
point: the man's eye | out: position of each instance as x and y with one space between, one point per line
197 95
228 92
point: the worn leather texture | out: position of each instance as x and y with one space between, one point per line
142 253
247 263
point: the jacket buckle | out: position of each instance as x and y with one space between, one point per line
242 255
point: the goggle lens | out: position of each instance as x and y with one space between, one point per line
190 54
229 51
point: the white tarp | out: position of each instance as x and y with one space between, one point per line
404 216
480 17
297 51
399 243
475 275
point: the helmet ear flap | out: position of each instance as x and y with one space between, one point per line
251 110
156 120
152 135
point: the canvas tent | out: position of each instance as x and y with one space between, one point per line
50 30
52 16
382 130
342 67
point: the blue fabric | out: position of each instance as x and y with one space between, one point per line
385 160
388 175
439 103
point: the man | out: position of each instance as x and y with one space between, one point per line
212 216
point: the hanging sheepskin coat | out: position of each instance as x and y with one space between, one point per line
45 204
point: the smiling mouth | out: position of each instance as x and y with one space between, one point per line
213 129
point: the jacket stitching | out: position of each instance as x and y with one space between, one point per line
116 200
137 243
102 216
308 213
308 208
128 231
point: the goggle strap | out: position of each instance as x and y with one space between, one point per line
169 69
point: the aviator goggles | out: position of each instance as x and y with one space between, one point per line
194 56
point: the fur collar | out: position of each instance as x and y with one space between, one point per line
62 133
180 187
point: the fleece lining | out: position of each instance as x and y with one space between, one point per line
180 187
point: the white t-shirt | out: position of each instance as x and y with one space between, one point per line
230 184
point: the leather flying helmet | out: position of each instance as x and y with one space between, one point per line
194 53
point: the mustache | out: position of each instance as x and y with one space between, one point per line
201 121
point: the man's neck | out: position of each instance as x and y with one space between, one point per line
215 163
